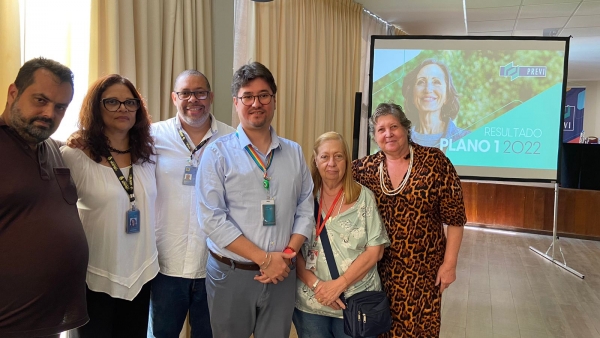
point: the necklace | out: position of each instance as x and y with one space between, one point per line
396 191
325 205
325 192
113 150
341 203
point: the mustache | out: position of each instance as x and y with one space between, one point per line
43 119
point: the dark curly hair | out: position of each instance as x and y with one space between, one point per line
449 109
91 125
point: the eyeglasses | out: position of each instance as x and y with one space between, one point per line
113 105
248 100
324 158
185 95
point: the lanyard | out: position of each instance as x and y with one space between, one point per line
259 163
321 221
187 143
126 183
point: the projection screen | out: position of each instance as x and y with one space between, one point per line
494 105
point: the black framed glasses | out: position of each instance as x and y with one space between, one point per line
200 95
112 104
248 100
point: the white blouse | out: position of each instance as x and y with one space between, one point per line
120 263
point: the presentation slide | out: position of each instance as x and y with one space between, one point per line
492 105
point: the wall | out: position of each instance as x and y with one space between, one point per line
591 117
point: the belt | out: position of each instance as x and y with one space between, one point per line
235 264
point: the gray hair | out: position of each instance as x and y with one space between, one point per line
393 109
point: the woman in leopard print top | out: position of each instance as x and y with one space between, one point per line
417 191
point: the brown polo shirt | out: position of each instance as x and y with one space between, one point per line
43 249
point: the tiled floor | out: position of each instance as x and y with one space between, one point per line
503 289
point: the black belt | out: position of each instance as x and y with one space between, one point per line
235 264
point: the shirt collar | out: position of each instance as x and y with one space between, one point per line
14 133
244 140
2 122
211 131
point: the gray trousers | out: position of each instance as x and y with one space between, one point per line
240 306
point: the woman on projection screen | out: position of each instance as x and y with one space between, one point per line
431 100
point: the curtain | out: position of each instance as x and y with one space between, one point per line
151 42
313 48
371 25
10 48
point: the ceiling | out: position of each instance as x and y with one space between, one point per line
577 18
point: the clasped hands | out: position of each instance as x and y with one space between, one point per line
278 268
328 293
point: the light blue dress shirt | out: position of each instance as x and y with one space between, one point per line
230 190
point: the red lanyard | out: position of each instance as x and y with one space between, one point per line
321 222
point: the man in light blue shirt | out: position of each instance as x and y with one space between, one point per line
256 207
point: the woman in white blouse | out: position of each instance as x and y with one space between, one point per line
116 186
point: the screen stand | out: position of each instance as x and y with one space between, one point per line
555 243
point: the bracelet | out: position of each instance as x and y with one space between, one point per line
314 286
266 256
289 249
347 284
266 266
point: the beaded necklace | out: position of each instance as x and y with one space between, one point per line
394 192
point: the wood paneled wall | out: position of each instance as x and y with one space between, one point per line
530 208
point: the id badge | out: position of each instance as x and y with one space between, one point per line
268 212
189 175
311 260
133 221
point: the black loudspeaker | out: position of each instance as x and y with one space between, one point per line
356 129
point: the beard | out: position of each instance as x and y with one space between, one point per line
26 129
196 121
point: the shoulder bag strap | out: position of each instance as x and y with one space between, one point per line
328 252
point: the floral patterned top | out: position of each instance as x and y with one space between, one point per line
350 233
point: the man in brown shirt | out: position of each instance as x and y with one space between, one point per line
43 249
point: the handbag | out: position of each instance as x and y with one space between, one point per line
367 313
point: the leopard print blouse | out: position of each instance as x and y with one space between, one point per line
414 220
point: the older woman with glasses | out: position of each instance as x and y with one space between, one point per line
348 215
116 185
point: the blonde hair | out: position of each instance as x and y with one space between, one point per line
351 188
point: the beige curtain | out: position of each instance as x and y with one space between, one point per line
393 30
371 25
151 42
313 49
10 47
